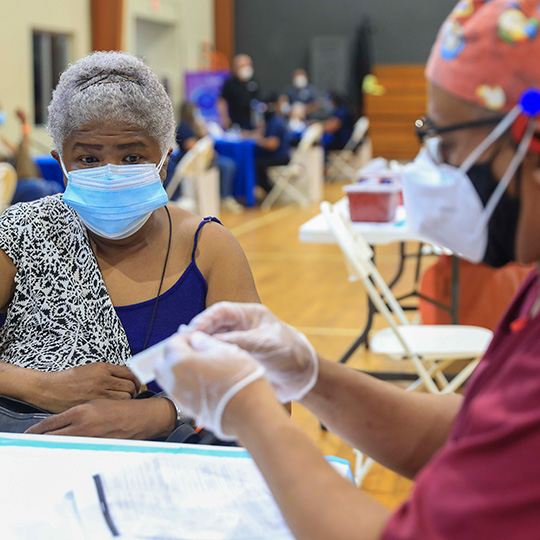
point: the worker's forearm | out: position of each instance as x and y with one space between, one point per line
270 143
315 500
402 430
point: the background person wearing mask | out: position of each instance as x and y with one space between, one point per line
339 126
301 91
273 146
474 458
191 128
237 94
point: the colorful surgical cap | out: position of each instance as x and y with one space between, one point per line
488 52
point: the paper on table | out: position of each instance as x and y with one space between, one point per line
187 498
142 364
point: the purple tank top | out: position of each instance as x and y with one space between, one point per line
178 305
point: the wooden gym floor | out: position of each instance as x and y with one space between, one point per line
306 285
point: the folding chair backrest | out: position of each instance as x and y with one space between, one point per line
8 184
204 148
360 130
187 166
311 136
359 256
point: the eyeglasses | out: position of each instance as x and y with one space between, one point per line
424 127
429 134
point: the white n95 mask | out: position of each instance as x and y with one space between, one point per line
115 201
442 203
245 73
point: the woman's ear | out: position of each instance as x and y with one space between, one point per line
56 156
163 172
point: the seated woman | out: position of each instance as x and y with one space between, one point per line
91 277
191 128
274 144
339 127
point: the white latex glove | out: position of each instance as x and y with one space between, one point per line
291 363
202 374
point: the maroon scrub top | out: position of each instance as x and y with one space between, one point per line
484 483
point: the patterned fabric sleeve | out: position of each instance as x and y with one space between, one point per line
61 315
12 224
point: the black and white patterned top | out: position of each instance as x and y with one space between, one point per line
61 315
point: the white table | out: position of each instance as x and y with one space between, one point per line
316 230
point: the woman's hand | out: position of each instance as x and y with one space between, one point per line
134 419
62 390
290 361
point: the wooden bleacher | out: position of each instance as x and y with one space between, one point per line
392 115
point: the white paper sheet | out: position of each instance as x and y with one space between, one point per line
37 471
193 498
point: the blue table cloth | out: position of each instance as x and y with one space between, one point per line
243 154
50 170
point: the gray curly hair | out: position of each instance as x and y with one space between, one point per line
106 86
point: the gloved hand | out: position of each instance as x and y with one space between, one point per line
202 374
291 363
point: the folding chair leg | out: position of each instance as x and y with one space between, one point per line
425 375
272 197
283 185
441 379
340 165
461 377
362 466
436 372
296 194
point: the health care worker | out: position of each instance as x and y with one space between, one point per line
475 459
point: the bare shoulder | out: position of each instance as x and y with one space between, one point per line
214 240
220 259
184 222
216 245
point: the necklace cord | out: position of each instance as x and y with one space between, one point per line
160 283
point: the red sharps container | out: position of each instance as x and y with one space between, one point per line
375 198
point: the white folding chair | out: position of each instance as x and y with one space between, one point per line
207 193
200 187
204 148
347 161
285 177
185 172
430 348
8 185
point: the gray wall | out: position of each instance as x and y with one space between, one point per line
276 33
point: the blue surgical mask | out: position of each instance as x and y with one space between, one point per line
115 201
2 118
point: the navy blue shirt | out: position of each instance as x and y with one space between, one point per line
276 126
183 133
304 95
343 134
